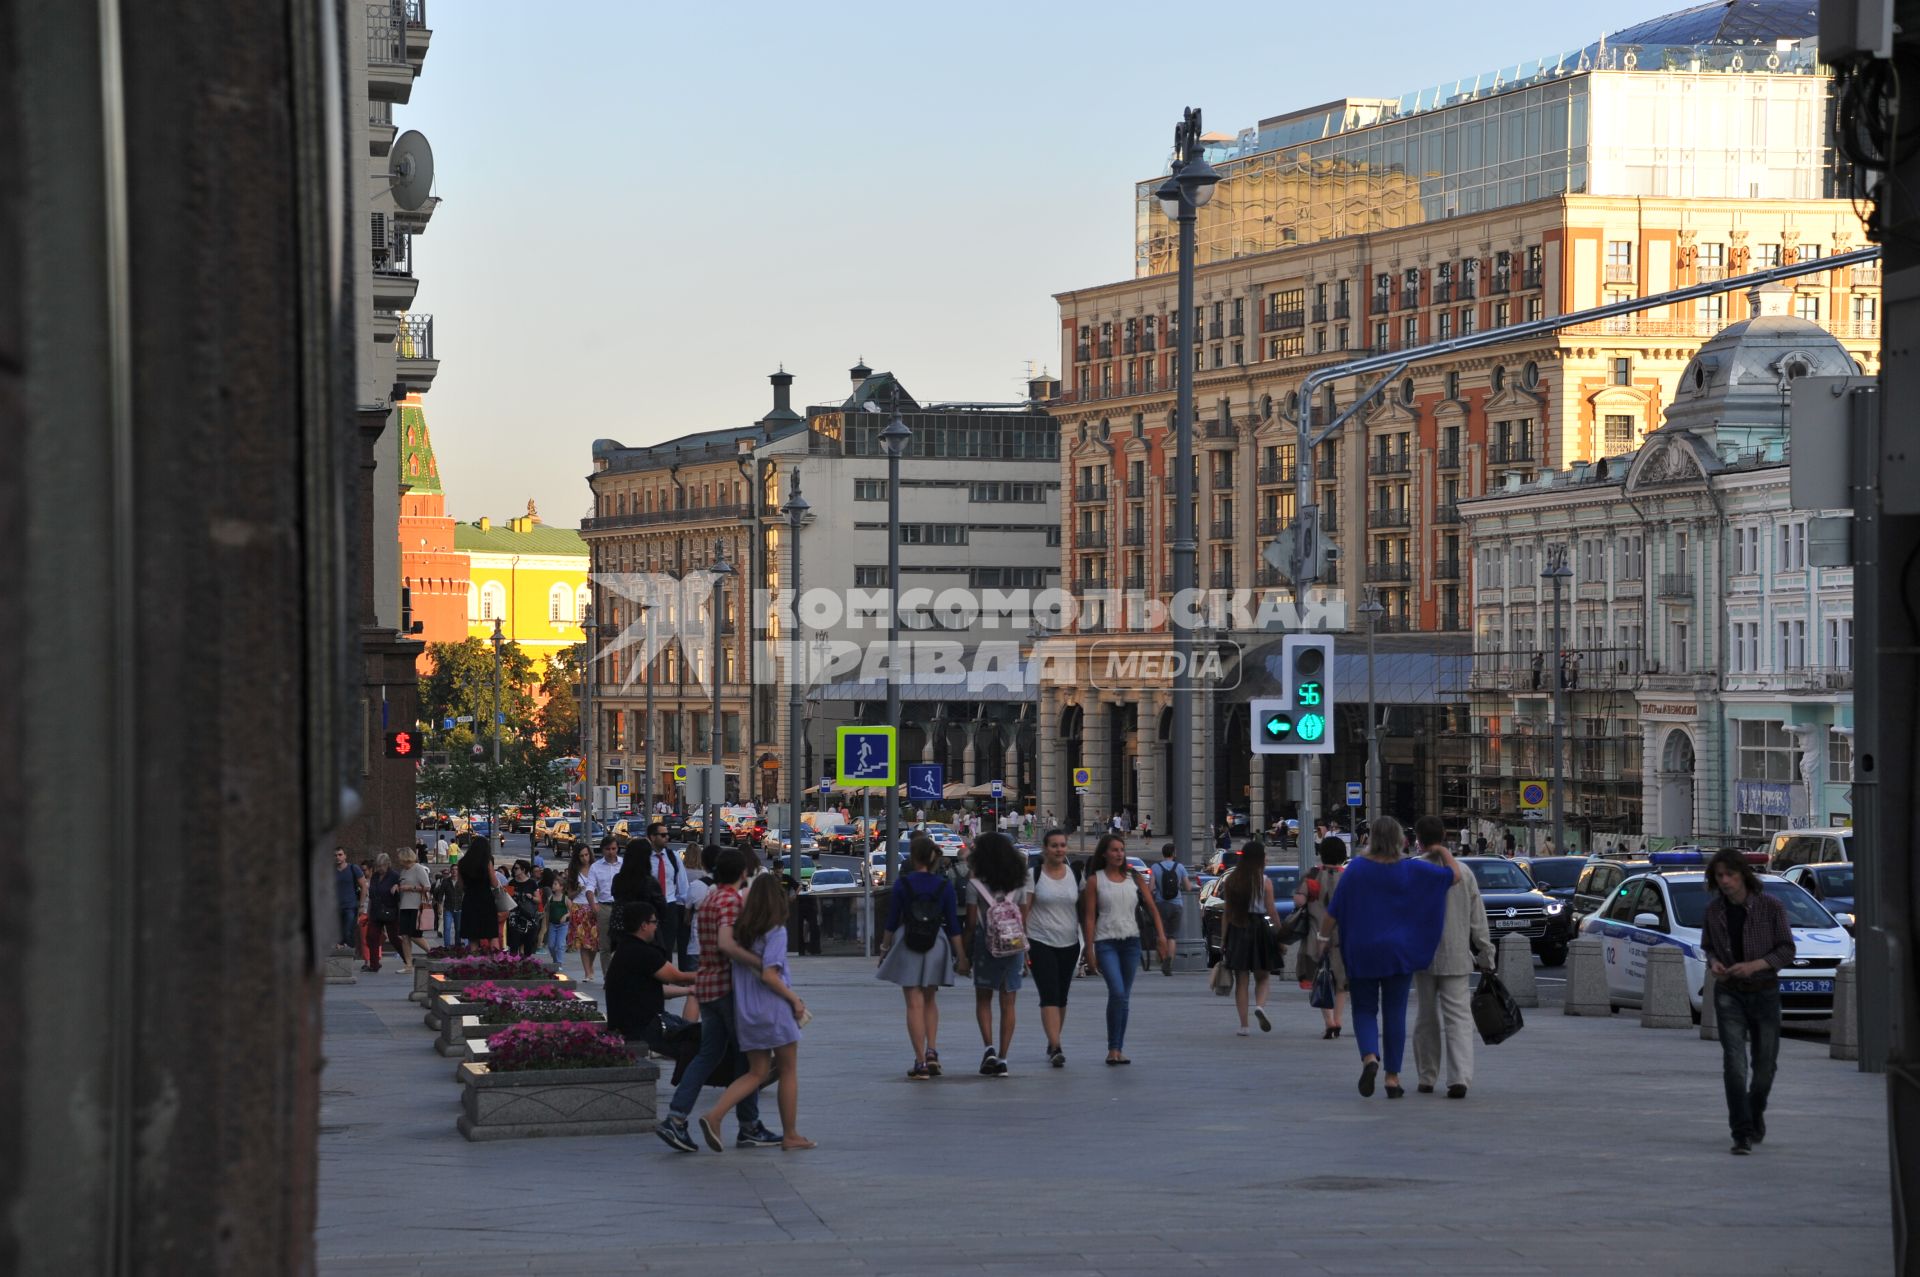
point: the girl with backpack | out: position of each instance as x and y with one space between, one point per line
1112 905
996 945
1249 941
916 953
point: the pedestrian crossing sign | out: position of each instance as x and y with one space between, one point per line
868 757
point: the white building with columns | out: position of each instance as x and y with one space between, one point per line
1707 663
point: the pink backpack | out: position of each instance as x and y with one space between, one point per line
1006 931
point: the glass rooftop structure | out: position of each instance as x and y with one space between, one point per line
1725 100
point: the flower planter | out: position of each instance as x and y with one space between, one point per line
438 984
466 1021
477 1052
536 1103
341 965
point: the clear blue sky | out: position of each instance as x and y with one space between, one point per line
649 207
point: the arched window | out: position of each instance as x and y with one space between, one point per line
559 603
493 601
583 598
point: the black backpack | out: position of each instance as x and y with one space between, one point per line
1169 874
925 919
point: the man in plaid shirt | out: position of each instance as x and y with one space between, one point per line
1748 940
713 988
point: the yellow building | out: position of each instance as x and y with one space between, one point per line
531 576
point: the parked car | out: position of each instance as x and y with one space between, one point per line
1558 876
543 829
1514 905
830 882
564 835
1598 882
1285 880
1792 847
877 867
1831 885
805 870
1669 906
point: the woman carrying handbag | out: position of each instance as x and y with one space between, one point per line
1249 943
1315 894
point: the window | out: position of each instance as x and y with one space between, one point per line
1866 311
869 489
1766 256
582 599
1219 357
493 601
1340 337
1621 372
1766 752
1593 560
1839 757
1380 338
1793 644
1744 638
1466 320
1840 642
1619 433
1453 385
1536 309
1792 547
1502 314
933 534
1713 310
1811 252
1711 262
1619 261
1024 493
1679 659
870 576
1746 550
1410 332
1445 322
559 603
1806 306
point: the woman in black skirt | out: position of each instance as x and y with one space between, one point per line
1250 943
479 915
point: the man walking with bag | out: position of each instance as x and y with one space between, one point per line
1169 882
1445 1014
1748 940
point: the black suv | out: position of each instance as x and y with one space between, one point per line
1514 904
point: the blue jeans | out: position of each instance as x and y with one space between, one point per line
450 927
557 943
1119 962
1747 1020
1368 1013
718 1031
349 923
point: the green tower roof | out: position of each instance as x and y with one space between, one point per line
418 470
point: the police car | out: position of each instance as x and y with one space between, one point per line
1668 905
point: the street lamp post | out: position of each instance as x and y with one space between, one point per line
1558 571
1372 609
720 570
1181 196
646 789
894 439
796 510
592 629
494 773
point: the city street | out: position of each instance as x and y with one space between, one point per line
1586 1146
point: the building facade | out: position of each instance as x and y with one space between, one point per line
528 575
1373 225
433 574
1705 661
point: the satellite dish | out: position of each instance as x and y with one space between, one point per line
410 170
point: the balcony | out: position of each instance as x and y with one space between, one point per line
1090 584
1382 303
722 514
1867 276
1217 428
1453 621
1134 536
390 69
1447 514
1127 345
1443 291
392 251
1410 298
1319 312
1446 569
1136 488
1269 575
415 363
1083 353
1704 273
1447 459
1388 518
1276 472
1221 579
1468 287
1091 539
1328 471
1330 575
1342 308
1090 492
1136 581
1378 573
1216 330
380 130
1270 525
1509 452
1237 327
1148 344
1223 530
1820 678
1500 283
1389 463
1675 585
1105 350
1278 320
1221 481
1393 623
1533 277
1329 522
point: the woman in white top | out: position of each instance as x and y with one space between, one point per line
1111 906
1053 937
416 891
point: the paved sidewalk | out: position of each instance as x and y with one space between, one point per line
1587 1146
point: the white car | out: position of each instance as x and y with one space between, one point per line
1670 907
833 882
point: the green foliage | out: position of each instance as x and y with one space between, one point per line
461 683
558 721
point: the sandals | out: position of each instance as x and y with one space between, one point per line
933 1063
918 1073
793 1144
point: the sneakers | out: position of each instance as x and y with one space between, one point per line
1057 1058
758 1136
1260 1014
989 1064
1457 1091
1242 1032
673 1133
1740 1147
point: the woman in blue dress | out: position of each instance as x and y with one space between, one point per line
1387 913
767 1014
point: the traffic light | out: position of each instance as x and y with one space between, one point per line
401 745
1301 720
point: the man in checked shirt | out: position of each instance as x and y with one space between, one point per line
1748 940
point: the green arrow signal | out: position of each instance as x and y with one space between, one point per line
1278 726
1312 727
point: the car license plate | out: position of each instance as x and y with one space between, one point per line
1510 922
1806 986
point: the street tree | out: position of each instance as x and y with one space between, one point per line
558 720
460 684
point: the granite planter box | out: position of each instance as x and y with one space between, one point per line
466 1021
341 965
620 1100
438 984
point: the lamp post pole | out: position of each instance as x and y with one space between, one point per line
592 630
1557 571
646 790
894 440
493 774
721 570
796 510
1372 609
1181 196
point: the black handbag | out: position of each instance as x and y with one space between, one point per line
1495 1013
1324 994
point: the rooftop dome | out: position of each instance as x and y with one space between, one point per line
1740 378
1740 22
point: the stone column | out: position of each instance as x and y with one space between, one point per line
968 755
1098 805
1048 795
1146 762
1010 768
1195 761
